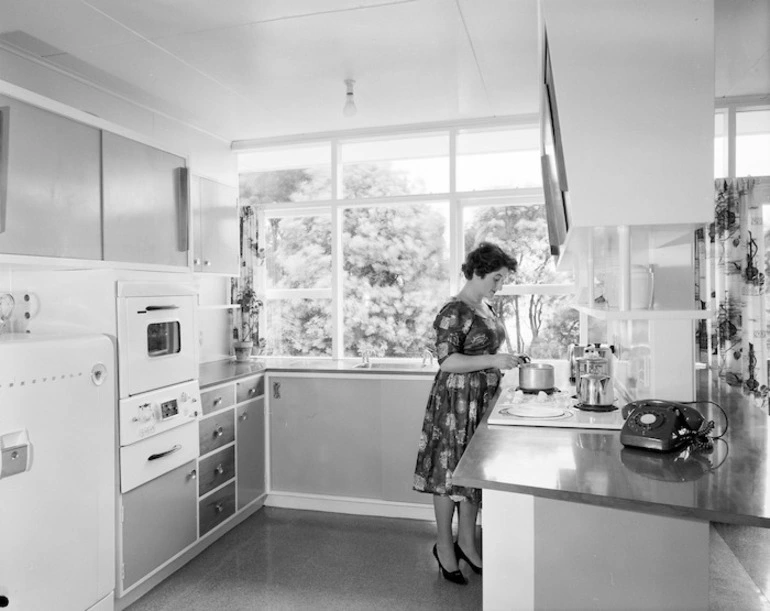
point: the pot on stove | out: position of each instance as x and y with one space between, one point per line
536 376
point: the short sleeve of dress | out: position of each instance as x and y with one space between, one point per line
452 326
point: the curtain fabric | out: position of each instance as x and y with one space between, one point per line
730 264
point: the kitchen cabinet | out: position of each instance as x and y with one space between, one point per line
50 192
353 438
250 442
630 159
146 203
232 449
215 227
159 520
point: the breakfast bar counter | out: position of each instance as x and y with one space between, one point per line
574 520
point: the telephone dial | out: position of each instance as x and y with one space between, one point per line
663 426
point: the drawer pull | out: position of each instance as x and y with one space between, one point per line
176 448
219 470
217 401
252 391
244 416
193 474
218 432
219 507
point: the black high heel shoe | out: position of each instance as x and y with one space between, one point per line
453 576
461 556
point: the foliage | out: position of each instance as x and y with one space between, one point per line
250 306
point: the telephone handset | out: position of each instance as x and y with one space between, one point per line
659 425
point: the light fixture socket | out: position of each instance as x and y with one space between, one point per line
349 109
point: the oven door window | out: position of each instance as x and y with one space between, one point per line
163 338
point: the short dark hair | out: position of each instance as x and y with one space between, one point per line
487 258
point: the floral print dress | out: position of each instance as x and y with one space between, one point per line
457 401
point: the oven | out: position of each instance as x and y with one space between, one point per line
157 344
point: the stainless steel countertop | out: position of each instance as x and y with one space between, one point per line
218 372
593 466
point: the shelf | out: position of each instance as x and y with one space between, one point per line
613 314
219 307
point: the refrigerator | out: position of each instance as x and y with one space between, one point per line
57 472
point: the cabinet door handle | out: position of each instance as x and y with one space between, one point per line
219 470
217 401
193 474
197 261
218 432
276 390
244 416
183 206
4 118
176 448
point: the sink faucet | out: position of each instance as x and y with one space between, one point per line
427 357
366 354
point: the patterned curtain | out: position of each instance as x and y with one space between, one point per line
250 256
730 264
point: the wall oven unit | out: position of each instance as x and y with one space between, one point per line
157 341
158 414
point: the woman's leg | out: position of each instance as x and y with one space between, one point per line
444 508
466 530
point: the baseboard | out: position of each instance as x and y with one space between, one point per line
350 505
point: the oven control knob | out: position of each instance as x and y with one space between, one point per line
184 397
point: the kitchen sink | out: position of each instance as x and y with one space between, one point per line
396 366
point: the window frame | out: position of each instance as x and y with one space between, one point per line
457 201
729 107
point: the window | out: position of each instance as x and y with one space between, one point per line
720 145
395 166
498 159
752 143
297 283
287 174
365 264
395 262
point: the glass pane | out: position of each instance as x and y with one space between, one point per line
752 143
520 231
498 159
298 327
287 174
720 145
542 326
404 166
298 252
395 261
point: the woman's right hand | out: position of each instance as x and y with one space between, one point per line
506 361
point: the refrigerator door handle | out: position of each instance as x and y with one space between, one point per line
176 448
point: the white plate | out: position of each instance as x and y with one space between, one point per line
533 411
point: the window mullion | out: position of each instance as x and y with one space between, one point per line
338 346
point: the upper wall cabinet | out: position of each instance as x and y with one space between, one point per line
215 227
49 184
634 87
146 203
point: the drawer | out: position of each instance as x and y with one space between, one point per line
219 398
215 470
147 459
216 431
250 389
216 508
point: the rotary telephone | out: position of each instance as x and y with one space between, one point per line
662 426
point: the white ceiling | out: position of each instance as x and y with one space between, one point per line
243 69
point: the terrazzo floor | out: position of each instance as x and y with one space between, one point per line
282 559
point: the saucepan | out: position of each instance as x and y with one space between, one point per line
535 376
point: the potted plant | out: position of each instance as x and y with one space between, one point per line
248 334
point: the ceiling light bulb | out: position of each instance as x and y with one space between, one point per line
349 109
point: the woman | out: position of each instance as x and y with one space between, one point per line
468 335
